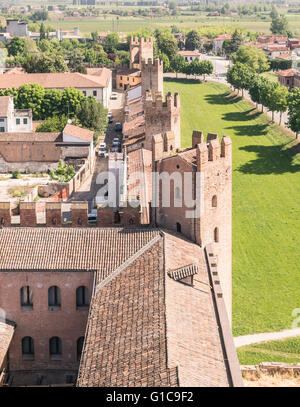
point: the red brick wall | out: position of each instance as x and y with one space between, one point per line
41 324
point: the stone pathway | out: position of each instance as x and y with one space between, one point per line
268 336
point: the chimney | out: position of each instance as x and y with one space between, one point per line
105 216
53 214
79 214
5 214
28 214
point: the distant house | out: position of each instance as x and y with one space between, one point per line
128 78
75 134
190 56
98 85
14 120
218 42
289 78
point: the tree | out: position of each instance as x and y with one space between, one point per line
177 64
253 57
70 101
53 124
207 67
193 41
166 62
274 13
75 60
257 88
294 110
39 15
233 44
277 99
15 46
51 104
92 115
111 43
30 96
267 94
279 25
166 43
240 76
42 32
45 63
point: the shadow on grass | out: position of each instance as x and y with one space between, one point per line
270 160
182 80
222 99
244 116
250 130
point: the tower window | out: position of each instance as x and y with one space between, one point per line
216 235
54 298
27 348
80 342
82 297
214 201
26 298
55 348
178 227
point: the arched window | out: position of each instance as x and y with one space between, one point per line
79 347
216 235
82 297
26 297
214 201
177 193
55 348
54 298
79 221
27 348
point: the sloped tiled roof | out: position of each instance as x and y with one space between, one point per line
56 80
101 249
6 333
79 132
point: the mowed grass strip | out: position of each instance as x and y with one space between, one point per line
266 210
285 351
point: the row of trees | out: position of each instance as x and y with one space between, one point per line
196 67
271 94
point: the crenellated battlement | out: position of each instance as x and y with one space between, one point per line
140 50
152 64
212 150
156 102
51 215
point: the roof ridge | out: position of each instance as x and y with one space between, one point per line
127 262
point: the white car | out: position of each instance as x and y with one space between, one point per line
102 152
114 96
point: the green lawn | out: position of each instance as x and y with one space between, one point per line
286 351
266 210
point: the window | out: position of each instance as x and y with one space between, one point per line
54 298
214 201
26 297
216 235
132 79
18 121
120 78
1 120
2 129
55 348
94 93
82 297
84 92
27 348
25 121
178 227
79 347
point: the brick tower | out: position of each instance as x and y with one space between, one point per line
162 117
152 76
209 185
140 50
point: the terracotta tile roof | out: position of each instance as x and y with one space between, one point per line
223 37
57 80
34 137
183 272
189 156
79 132
189 53
145 329
287 72
4 104
134 127
6 333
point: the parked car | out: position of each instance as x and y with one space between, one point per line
116 146
114 96
102 152
118 126
109 116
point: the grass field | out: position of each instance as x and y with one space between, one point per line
130 24
286 351
266 210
